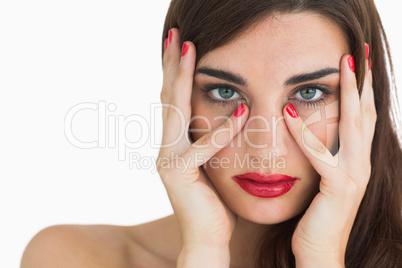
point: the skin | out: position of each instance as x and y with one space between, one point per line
261 58
216 223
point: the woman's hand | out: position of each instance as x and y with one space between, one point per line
323 232
206 223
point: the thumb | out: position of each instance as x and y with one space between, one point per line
316 152
208 145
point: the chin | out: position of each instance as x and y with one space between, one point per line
268 212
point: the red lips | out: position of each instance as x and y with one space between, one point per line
265 186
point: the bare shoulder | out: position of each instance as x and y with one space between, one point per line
76 246
91 246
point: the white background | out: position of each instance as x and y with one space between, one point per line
57 54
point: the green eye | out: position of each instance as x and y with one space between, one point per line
224 93
308 94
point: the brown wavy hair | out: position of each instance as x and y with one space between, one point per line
376 237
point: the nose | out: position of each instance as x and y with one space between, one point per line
265 132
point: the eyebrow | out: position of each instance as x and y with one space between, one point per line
294 80
301 78
224 75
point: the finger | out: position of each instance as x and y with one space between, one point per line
366 83
171 57
178 116
183 84
319 156
367 105
208 145
350 122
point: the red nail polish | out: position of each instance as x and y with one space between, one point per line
170 36
240 110
184 49
371 64
166 43
351 62
367 51
292 111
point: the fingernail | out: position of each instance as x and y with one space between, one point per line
351 62
184 49
367 51
371 64
170 36
240 110
166 43
292 111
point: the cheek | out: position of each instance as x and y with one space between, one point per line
200 123
205 117
323 123
204 120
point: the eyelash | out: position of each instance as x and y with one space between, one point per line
308 104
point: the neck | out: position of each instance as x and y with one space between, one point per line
244 242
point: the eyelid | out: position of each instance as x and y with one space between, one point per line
321 87
319 93
212 86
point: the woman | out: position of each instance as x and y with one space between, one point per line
291 159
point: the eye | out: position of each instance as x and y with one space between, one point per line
308 93
311 96
224 93
221 95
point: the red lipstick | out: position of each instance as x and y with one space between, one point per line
266 186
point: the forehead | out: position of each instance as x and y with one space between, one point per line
282 43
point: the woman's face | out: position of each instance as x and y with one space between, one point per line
287 58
